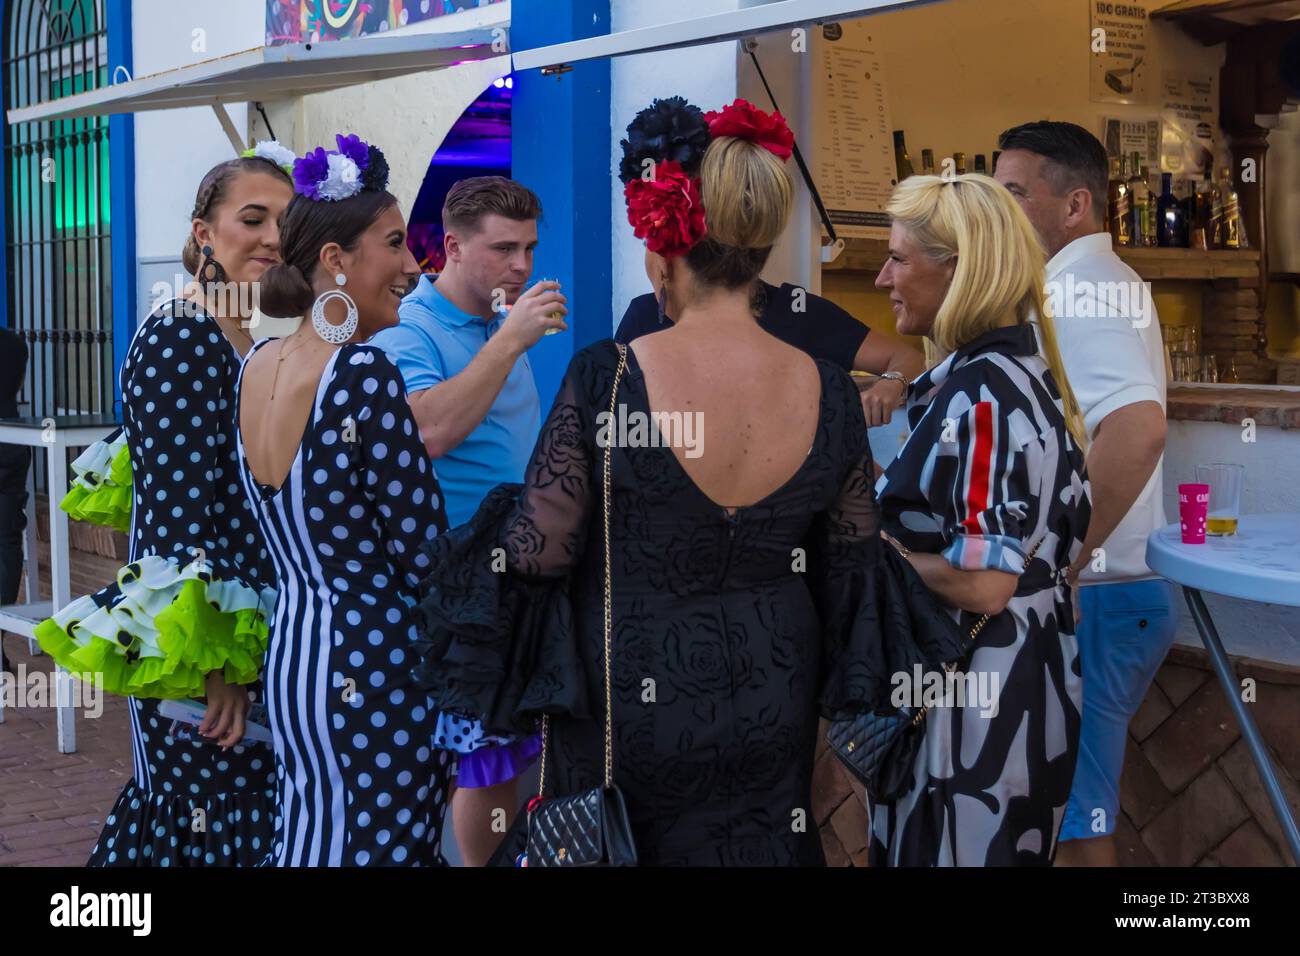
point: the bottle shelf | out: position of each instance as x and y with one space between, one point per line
1193 264
868 256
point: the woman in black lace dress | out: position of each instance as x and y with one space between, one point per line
744 557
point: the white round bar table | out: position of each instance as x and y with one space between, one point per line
1261 562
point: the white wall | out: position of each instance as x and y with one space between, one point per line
705 75
407 117
174 148
1270 463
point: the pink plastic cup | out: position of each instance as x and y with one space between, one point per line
1193 510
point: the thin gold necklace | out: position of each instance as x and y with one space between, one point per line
279 360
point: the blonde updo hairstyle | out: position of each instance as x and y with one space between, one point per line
999 278
747 194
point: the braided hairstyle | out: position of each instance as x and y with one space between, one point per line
212 193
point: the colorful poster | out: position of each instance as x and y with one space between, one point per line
1119 52
314 21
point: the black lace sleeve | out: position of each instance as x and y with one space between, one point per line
497 640
878 617
545 536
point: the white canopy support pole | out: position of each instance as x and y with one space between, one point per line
228 125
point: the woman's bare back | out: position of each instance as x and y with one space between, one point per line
275 404
757 398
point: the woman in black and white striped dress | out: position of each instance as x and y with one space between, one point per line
345 494
989 501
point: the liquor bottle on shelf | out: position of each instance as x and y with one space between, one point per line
996 154
1142 223
1117 205
902 161
1227 226
959 160
927 162
1200 223
981 168
1149 226
1171 220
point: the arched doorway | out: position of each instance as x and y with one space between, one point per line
477 145
57 247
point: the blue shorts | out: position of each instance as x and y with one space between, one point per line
1123 638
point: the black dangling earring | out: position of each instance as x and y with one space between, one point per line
662 298
211 271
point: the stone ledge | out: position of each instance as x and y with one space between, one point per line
1277 407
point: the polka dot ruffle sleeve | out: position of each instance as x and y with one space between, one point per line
195 597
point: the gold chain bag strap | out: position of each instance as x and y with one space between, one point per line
880 748
590 828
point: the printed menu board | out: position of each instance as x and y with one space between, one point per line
1190 104
854 162
1124 137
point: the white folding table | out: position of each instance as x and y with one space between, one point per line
56 434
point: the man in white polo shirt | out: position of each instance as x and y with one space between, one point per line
1110 342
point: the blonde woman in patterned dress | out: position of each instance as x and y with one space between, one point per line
989 502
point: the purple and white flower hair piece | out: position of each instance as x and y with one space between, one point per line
331 175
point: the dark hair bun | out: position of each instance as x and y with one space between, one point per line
284 292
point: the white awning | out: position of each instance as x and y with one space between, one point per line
732 25
276 72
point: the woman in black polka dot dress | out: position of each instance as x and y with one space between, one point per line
188 617
345 495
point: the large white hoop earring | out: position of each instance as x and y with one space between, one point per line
334 334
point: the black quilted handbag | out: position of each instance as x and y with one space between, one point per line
590 828
880 748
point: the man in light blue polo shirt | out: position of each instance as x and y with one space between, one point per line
462 356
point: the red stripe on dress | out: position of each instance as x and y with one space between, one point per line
977 497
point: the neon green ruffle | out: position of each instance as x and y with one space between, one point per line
161 629
101 487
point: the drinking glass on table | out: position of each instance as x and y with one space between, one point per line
1226 482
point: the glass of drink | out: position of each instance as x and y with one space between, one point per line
1226 482
554 315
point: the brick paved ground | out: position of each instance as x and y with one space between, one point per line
53 805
